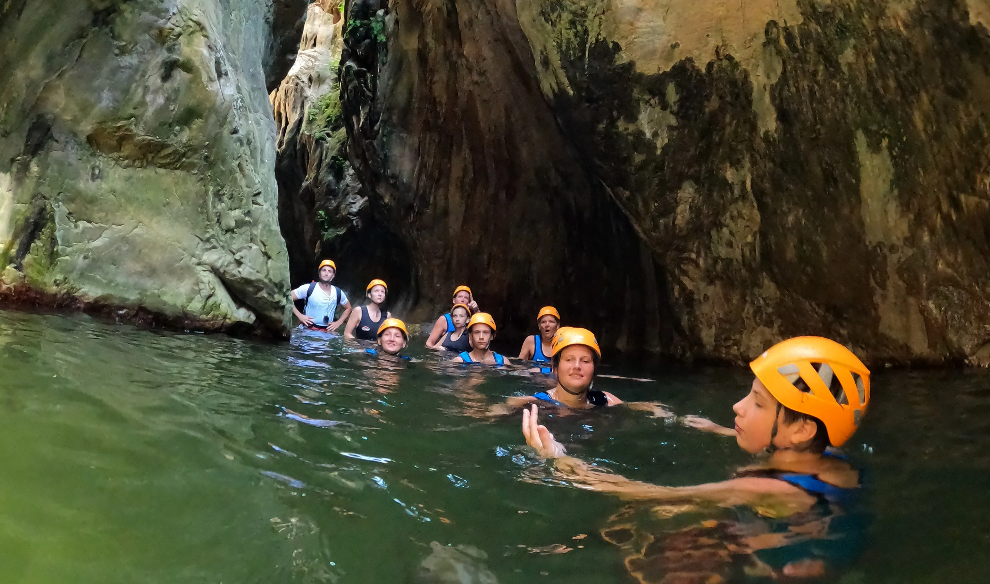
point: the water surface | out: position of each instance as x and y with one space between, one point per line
130 456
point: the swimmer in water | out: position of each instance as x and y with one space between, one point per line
445 324
481 332
538 347
574 357
365 321
392 338
458 340
809 393
322 299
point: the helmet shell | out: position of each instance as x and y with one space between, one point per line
482 318
459 305
326 263
374 283
567 336
462 289
548 310
781 365
394 323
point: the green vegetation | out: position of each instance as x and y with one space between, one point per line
327 229
325 115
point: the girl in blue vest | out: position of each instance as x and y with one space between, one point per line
481 331
458 340
538 347
809 393
445 324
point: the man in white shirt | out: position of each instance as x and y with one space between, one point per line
322 300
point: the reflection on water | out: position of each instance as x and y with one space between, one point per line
134 456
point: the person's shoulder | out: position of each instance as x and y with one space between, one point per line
612 400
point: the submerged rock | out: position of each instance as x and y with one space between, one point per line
462 564
136 157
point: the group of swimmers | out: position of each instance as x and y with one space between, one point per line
808 395
464 330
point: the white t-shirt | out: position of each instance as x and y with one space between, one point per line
320 304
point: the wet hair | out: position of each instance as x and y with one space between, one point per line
820 441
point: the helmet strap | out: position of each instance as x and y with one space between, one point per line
773 432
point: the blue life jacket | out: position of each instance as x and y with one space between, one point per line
375 353
538 355
450 323
466 357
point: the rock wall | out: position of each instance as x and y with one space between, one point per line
136 157
797 167
460 154
699 178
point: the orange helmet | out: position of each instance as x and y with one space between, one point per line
325 263
568 335
548 310
394 323
782 364
482 318
463 289
459 305
374 283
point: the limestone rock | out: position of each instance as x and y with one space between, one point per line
704 178
136 156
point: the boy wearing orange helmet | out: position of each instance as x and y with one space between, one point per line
365 321
445 324
809 393
538 347
322 299
481 331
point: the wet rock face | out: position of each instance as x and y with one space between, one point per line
702 178
796 167
136 156
461 156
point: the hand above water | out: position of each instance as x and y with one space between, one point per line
539 437
333 326
306 320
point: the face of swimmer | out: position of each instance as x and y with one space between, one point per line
548 326
392 341
481 336
576 369
377 294
326 274
462 297
460 317
755 415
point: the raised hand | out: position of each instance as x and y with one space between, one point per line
539 437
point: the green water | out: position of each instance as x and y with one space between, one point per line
129 456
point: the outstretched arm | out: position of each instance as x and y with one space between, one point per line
740 491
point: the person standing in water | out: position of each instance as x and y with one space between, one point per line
322 299
481 331
365 321
538 347
809 393
445 324
458 340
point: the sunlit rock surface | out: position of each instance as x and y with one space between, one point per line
781 167
136 161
